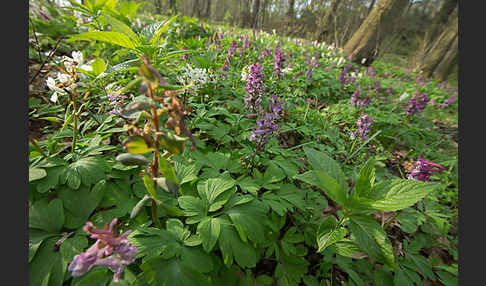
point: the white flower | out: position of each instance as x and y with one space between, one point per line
403 96
54 97
363 61
51 83
340 61
78 57
63 78
244 73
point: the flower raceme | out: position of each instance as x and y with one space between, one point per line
267 125
254 87
110 250
423 170
417 104
363 124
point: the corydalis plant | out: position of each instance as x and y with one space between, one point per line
363 124
254 87
267 125
423 170
278 61
417 103
110 249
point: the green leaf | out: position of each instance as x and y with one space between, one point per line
410 220
136 145
381 277
212 188
247 184
348 248
167 170
324 240
125 66
98 276
99 66
320 161
73 246
48 216
149 185
186 172
152 242
248 219
51 181
111 37
308 177
36 174
47 266
164 27
231 247
331 187
371 238
129 8
118 26
209 230
397 194
273 174
193 207
159 271
366 179
89 170
79 204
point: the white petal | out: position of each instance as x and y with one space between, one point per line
54 97
51 83
78 57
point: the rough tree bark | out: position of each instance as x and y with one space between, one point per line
438 24
327 21
254 13
207 13
158 6
372 4
363 43
440 59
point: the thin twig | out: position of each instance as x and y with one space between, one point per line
46 60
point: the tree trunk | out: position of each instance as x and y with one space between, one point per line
158 6
327 21
364 42
172 6
207 13
371 7
254 13
442 55
436 28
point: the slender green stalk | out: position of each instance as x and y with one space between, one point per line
75 126
155 218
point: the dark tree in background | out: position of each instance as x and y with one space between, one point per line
328 20
364 42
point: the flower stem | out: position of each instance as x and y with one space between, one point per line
155 218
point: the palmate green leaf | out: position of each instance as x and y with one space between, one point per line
209 230
291 269
232 247
111 37
47 267
370 237
152 242
210 189
248 219
247 184
320 161
186 172
79 204
89 170
48 216
194 208
366 179
397 194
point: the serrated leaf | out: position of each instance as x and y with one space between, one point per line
366 179
327 239
111 37
321 161
370 237
397 194
249 185
48 216
348 248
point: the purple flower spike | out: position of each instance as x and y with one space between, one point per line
278 61
267 125
417 104
110 250
254 87
363 127
423 170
